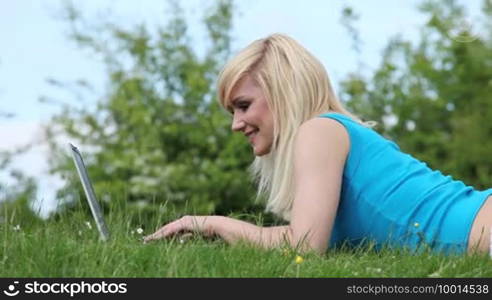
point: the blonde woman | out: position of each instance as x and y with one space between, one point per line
326 172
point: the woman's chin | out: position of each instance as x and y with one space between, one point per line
258 151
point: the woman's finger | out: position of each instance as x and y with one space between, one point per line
154 236
168 230
161 233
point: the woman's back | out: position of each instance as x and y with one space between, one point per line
391 197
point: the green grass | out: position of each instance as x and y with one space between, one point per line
67 247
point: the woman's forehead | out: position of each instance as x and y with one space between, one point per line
245 85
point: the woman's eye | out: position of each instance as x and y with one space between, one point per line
243 106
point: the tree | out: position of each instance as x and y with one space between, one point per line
438 91
158 135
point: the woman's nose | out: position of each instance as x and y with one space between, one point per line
237 123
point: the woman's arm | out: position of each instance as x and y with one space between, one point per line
321 149
232 231
229 229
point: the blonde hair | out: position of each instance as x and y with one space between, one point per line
297 88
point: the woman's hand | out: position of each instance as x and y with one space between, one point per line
186 224
229 229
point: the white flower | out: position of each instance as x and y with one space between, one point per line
377 270
17 227
88 225
436 274
139 230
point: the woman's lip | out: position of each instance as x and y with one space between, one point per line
252 136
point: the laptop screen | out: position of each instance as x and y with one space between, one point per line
89 193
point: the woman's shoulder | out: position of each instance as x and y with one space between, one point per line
324 132
340 117
333 122
323 124
321 145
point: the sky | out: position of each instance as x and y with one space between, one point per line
34 47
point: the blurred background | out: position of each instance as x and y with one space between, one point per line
132 84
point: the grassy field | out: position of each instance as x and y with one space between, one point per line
69 247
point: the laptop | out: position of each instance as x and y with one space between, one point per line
89 193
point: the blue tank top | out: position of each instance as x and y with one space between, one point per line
391 198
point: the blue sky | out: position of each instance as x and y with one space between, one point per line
34 46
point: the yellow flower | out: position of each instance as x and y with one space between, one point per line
299 259
416 224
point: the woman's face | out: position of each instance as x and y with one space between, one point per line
252 116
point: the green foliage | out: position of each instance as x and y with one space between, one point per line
439 90
158 134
